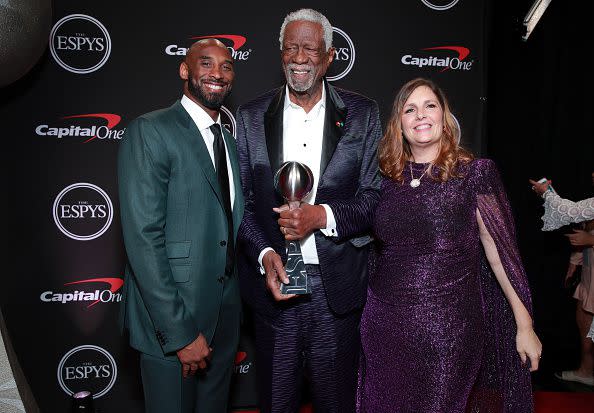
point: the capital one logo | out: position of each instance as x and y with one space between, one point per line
440 5
88 126
80 43
83 211
234 43
87 367
344 55
441 57
91 292
241 365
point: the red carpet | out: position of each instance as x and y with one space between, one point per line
557 402
545 402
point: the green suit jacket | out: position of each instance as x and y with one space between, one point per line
175 232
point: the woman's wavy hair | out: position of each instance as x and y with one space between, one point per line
394 150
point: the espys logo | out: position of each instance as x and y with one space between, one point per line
241 367
89 126
80 43
91 295
87 367
440 5
234 43
457 62
83 211
228 121
344 56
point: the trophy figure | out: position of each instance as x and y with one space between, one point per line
294 181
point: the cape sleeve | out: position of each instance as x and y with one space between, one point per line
504 384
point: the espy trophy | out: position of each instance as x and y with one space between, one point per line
294 181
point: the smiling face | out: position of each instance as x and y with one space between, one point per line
422 120
208 72
304 56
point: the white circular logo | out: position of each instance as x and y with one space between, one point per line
437 5
228 121
87 367
459 135
80 43
83 211
344 56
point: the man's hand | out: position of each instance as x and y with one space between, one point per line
581 238
296 224
275 275
194 356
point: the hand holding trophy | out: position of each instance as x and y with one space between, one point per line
294 181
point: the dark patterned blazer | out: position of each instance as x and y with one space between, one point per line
349 184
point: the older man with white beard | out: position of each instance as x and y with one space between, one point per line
335 132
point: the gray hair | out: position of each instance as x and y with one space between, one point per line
309 15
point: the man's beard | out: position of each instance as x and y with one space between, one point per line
302 86
211 100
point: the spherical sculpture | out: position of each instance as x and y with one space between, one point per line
293 181
25 28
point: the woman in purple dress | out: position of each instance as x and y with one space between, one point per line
447 326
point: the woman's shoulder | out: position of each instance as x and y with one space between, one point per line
480 167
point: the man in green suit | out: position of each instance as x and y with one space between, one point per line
181 205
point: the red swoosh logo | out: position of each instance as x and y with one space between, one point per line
111 119
463 52
114 285
237 40
240 356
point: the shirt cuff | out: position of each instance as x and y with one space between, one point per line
330 230
264 251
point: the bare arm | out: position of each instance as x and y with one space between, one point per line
527 343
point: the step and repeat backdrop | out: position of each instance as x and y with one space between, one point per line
108 62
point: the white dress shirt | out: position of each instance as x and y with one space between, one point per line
303 135
203 122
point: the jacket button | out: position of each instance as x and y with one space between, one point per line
223 243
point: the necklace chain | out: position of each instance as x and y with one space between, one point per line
414 182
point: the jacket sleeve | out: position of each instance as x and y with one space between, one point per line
250 232
143 175
354 216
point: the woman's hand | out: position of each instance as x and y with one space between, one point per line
580 238
540 188
529 347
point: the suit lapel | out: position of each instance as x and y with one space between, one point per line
200 151
334 122
273 130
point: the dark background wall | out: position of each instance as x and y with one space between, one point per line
527 105
540 112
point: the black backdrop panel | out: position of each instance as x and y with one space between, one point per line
111 61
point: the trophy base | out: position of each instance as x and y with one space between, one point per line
295 289
298 279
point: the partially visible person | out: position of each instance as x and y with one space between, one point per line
181 206
560 212
335 132
440 332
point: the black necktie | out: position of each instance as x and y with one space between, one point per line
220 158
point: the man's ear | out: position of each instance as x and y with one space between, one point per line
183 71
331 53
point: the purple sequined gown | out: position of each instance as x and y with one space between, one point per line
437 333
